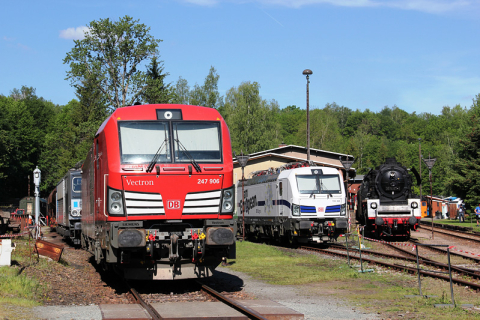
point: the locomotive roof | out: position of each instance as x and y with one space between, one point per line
285 173
149 112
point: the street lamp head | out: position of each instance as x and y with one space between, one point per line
307 72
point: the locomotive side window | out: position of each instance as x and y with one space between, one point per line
141 140
318 184
199 140
280 188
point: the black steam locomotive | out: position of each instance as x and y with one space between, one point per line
386 204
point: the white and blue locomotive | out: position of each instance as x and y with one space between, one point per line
69 206
296 202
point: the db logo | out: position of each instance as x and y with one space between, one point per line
173 204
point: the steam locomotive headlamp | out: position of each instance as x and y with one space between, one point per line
227 201
373 205
295 209
115 205
414 205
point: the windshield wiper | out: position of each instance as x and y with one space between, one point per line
189 156
155 157
322 187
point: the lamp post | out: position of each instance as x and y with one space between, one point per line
430 162
37 177
347 164
420 168
242 160
308 72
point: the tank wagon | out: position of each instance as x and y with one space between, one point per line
387 206
297 202
69 205
158 195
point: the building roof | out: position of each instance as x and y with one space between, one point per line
291 147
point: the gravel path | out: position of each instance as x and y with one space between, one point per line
303 299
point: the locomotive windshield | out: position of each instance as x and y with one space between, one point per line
318 184
201 139
77 184
140 141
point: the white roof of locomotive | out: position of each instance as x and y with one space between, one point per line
307 170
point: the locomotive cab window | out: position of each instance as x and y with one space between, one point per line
197 140
77 185
319 184
140 141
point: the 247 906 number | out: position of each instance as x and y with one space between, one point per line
208 181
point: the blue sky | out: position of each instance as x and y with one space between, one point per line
419 55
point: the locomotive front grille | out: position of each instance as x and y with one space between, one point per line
202 203
333 209
308 209
144 203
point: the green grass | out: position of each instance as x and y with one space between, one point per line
380 291
18 289
269 264
467 223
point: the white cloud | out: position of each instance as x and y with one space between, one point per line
74 33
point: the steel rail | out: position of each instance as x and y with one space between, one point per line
151 310
453 253
458 234
398 267
252 314
423 260
466 230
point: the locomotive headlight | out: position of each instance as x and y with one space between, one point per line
373 205
228 194
295 209
343 210
116 196
115 208
227 201
115 203
414 205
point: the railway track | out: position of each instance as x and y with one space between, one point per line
234 304
409 269
475 237
440 250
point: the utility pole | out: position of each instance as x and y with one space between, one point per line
430 162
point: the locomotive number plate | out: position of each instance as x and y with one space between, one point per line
208 181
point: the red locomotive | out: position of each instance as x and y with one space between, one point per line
158 194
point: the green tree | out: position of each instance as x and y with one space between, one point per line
252 121
157 90
291 119
464 178
181 92
207 95
25 120
110 56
